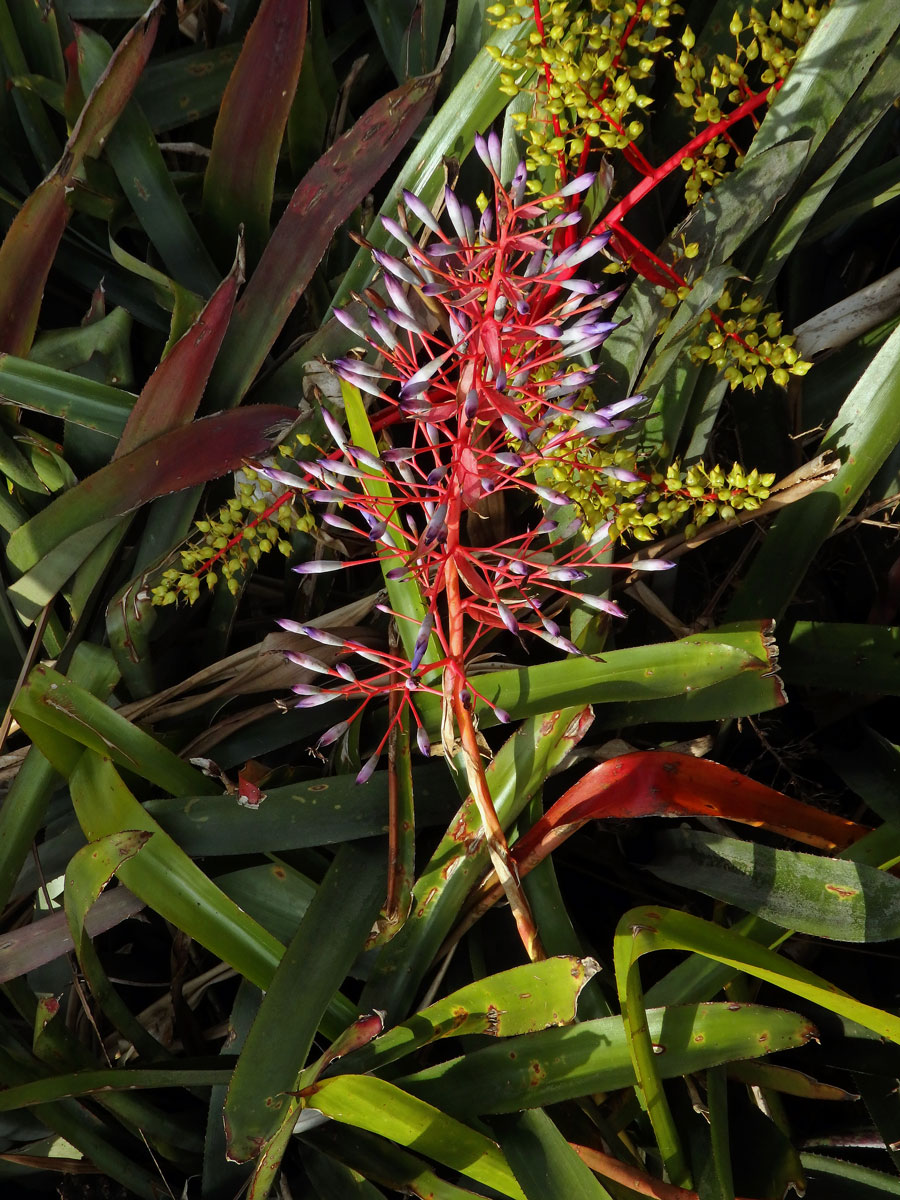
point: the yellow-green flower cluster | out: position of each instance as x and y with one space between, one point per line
747 344
597 74
657 502
236 537
772 44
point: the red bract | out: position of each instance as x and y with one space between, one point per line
479 343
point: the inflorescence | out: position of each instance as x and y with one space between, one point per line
479 340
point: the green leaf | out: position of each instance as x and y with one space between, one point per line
543 1162
32 384
832 1176
564 1064
516 772
370 1103
133 153
112 1079
862 434
824 897
166 879
521 1000
48 698
331 934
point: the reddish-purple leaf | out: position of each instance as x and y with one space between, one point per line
182 458
324 199
172 395
26 257
30 245
240 175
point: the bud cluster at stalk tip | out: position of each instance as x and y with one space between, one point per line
481 384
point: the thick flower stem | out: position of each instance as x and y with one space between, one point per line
493 831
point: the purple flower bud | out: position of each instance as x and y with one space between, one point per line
421 210
622 473
334 428
517 185
405 322
320 566
393 266
398 454
437 526
509 460
383 330
307 689
486 225
397 573
455 213
550 495
600 534
507 618
326 496
314 701
516 428
601 605
470 407
502 715
647 564
349 323
310 631
553 332
516 567
421 642
332 734
435 476
419 380
551 626
565 574
346 672
395 290
547 526
337 522
612 410
307 662
423 742
396 230
368 460
284 477
580 184
361 382
488 150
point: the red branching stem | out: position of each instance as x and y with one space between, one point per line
284 498
672 163
548 78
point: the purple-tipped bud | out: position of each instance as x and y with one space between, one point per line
516 428
332 734
647 564
484 151
600 534
307 662
517 185
613 410
580 252
547 526
307 689
349 323
397 573
334 428
393 266
516 567
437 526
337 522
326 496
423 742
383 330
314 701
486 225
552 332
455 213
506 459
580 184
396 230
470 407
601 605
369 769
398 454
394 289
319 566
418 381
551 626
622 473
550 495
363 456
435 476
361 382
421 210
405 322
565 574
284 477
421 642
310 631
507 618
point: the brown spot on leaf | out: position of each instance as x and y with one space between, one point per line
842 893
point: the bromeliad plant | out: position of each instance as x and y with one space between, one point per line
484 394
